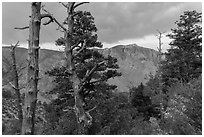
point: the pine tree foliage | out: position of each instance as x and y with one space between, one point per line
96 89
184 58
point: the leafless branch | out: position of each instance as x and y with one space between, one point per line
65 5
76 45
72 7
6 61
96 81
20 70
27 27
160 31
59 28
93 70
50 15
91 109
16 45
60 24
68 108
12 85
75 6
81 49
89 74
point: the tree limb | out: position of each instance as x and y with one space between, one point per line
65 5
89 74
12 85
91 109
68 108
76 45
27 27
72 7
96 81
76 13
16 45
75 6
81 49
59 28
51 17
92 71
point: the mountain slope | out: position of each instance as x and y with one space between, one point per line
135 64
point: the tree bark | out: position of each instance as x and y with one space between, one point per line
33 70
16 85
82 117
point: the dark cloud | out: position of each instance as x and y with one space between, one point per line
115 21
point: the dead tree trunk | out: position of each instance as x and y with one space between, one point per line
159 36
29 106
33 70
16 84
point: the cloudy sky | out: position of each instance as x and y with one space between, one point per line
117 22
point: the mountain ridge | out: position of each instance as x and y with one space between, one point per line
135 64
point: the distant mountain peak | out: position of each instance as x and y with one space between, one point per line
134 46
135 64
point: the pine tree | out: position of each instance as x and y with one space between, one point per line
184 58
143 103
89 66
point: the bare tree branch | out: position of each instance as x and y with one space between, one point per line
81 49
46 15
12 85
50 15
16 45
92 70
89 74
91 109
76 45
65 5
20 70
72 7
75 6
96 81
68 108
59 28
27 27
6 61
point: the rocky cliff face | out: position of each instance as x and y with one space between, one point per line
135 64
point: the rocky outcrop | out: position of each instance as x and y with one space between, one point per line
136 64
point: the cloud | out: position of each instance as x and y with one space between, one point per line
116 21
